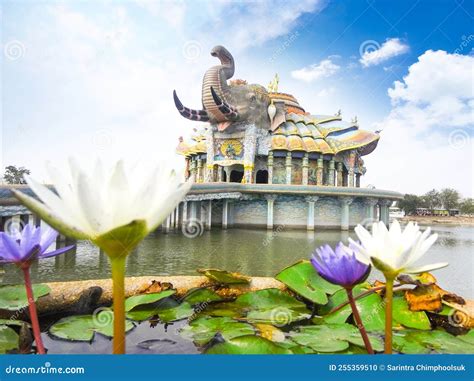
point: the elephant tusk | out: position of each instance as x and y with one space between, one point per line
229 112
198 115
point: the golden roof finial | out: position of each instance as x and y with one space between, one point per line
273 85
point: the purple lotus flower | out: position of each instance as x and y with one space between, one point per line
340 266
32 242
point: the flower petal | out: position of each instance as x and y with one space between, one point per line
426 268
56 252
11 249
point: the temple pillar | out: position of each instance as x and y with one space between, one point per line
192 170
166 225
220 173
351 176
357 184
172 220
270 202
288 165
225 214
176 217
248 174
345 202
270 167
319 171
305 166
184 218
199 171
24 219
36 220
332 173
311 200
340 181
384 211
370 216
210 173
209 215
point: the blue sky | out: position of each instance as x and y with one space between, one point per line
95 78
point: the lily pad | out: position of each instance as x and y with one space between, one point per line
143 299
224 277
203 330
8 339
12 322
14 298
303 279
331 338
438 341
410 319
272 306
370 308
182 311
83 327
247 345
201 295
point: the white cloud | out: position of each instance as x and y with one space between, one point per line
325 68
391 48
427 139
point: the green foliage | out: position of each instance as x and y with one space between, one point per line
203 330
8 339
449 198
302 279
329 338
254 345
84 327
200 295
15 175
14 297
140 300
466 206
409 203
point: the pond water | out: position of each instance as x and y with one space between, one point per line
252 252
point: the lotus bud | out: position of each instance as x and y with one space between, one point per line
272 111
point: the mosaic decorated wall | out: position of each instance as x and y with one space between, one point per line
279 170
296 172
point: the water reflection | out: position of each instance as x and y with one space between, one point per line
253 252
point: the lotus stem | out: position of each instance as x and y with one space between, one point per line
388 314
118 281
32 309
358 320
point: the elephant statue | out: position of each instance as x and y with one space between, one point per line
230 105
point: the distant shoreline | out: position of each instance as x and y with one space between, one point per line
440 220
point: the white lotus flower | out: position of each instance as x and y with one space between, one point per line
395 251
118 207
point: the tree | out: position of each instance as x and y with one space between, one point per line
409 203
466 206
449 198
14 175
431 200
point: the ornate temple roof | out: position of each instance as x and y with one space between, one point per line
326 134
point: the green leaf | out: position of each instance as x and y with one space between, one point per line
203 330
182 311
12 322
271 306
83 327
123 239
224 277
370 307
200 295
247 345
410 319
143 299
331 338
8 339
303 279
438 341
14 297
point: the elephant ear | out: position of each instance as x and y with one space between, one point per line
280 116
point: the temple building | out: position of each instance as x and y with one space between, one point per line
259 159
